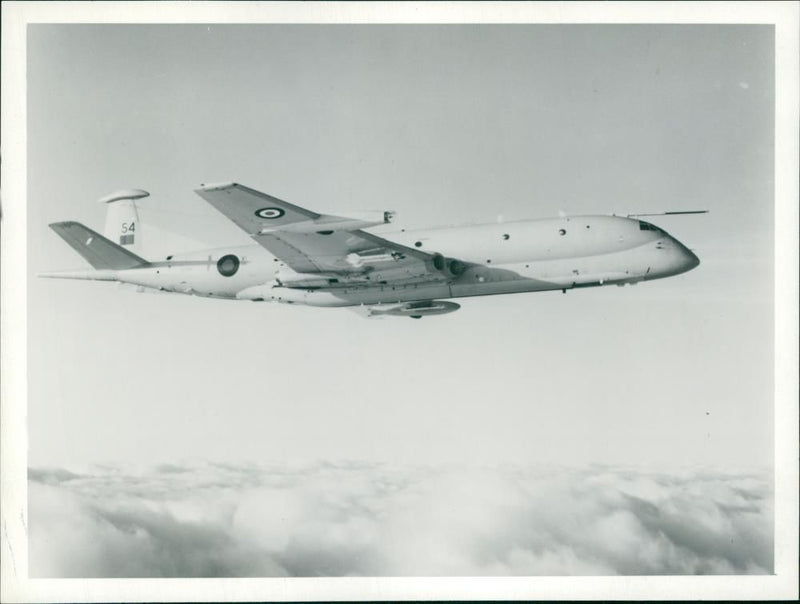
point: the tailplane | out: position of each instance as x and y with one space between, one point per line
97 250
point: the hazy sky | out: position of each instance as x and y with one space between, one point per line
443 124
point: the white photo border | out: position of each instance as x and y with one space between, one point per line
16 586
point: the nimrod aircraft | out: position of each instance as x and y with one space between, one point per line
302 257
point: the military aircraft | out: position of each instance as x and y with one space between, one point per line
302 257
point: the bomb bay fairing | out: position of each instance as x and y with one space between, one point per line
302 257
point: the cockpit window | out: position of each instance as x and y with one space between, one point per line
646 226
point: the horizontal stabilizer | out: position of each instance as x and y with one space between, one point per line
98 251
87 275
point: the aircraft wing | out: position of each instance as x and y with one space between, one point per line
308 242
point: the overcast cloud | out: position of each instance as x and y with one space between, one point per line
211 520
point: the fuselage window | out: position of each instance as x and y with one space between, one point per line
418 244
506 236
562 232
646 226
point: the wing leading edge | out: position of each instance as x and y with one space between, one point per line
312 243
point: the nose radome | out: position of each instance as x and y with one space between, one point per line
692 260
688 259
672 258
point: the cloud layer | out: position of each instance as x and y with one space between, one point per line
216 520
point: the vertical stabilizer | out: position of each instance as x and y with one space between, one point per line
122 219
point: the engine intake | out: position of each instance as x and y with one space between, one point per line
228 265
449 265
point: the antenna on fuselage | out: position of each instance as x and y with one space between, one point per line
670 213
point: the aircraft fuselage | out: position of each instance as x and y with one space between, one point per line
499 258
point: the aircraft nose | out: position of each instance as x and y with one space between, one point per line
687 259
692 261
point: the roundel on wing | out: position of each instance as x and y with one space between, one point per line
228 265
270 213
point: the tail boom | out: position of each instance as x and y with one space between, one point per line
92 275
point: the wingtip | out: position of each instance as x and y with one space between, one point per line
124 194
216 186
62 223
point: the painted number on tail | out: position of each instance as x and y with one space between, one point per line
128 230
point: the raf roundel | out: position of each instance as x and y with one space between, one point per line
270 213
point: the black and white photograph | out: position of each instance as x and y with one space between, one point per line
403 304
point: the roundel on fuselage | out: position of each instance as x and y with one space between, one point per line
228 265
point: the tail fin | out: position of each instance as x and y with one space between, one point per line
96 249
122 218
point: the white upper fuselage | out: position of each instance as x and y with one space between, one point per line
528 255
